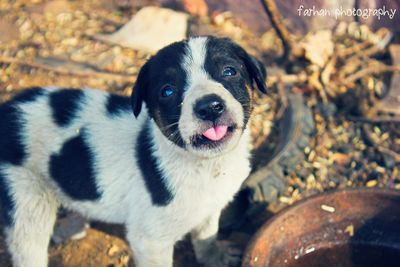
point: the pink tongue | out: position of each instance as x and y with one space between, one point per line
216 133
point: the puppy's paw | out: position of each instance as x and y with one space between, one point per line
224 254
73 226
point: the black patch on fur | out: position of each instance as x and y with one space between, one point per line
73 169
165 68
148 164
12 148
221 53
65 104
29 95
218 48
117 104
6 202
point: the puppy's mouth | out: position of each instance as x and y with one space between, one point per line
213 137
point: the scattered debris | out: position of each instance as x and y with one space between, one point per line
327 208
341 158
94 250
350 230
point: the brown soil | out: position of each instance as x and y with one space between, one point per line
103 246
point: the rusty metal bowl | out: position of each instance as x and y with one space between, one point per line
351 228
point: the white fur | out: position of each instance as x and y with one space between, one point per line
202 186
200 84
193 62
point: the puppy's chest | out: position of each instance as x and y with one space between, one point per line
207 188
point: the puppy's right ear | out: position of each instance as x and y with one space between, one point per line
139 91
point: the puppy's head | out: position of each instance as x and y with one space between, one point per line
199 93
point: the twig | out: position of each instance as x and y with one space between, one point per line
357 60
367 71
375 120
287 78
391 153
373 50
369 52
325 77
314 81
276 21
353 49
376 143
104 75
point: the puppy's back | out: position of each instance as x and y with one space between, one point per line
47 130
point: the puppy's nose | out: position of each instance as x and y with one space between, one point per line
209 108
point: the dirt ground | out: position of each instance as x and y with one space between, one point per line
345 150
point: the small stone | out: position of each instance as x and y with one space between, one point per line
327 208
372 183
341 158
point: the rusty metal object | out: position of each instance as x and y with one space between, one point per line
347 228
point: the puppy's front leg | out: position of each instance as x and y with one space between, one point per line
208 250
151 253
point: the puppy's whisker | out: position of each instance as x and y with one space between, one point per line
169 126
171 116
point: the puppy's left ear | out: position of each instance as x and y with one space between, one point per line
257 72
139 91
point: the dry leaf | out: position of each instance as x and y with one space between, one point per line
318 47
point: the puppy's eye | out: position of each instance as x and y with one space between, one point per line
228 71
167 91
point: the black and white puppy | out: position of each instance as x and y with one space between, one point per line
166 173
